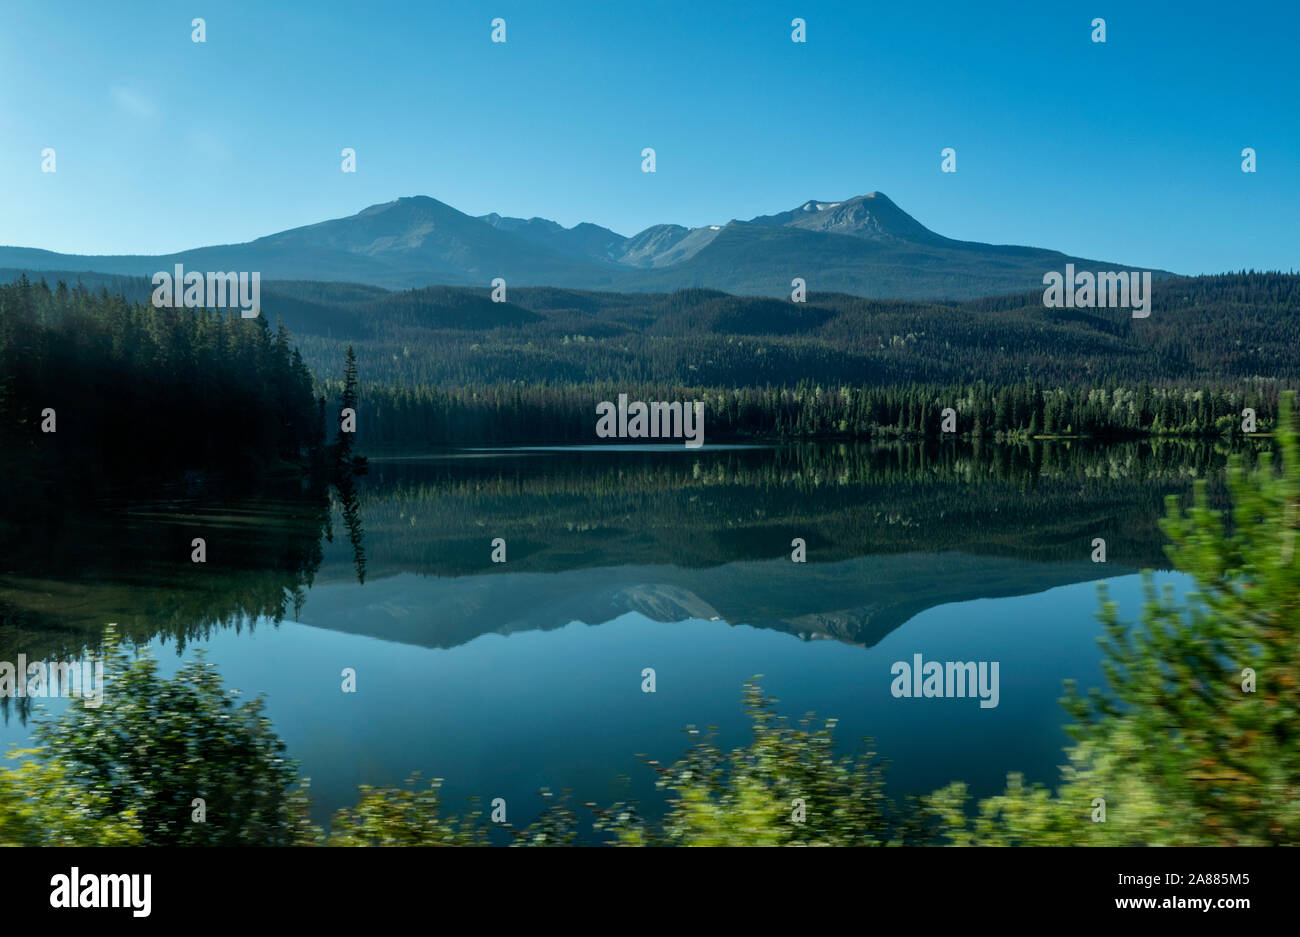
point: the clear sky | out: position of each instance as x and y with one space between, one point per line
1127 151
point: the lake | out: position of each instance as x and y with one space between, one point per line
507 677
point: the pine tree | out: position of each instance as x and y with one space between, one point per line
345 463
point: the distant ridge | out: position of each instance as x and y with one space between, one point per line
866 246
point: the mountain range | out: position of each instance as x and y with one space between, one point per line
865 246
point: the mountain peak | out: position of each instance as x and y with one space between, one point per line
876 216
407 203
814 206
872 216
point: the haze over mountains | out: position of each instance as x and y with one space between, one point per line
865 246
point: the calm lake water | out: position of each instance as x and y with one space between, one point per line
504 678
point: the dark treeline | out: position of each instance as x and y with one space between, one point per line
398 416
142 392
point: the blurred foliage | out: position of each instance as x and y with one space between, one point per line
36 809
130 768
389 816
1180 750
787 787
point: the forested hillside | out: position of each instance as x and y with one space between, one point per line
445 365
1205 328
1226 327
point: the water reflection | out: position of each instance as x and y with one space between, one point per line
671 534
681 559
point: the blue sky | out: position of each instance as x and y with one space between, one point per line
1125 151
